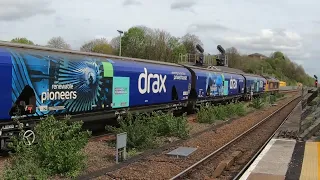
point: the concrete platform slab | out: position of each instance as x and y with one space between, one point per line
293 121
274 160
291 127
259 176
286 159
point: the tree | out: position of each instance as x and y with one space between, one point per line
161 51
133 43
98 46
115 42
154 44
278 66
88 46
190 41
177 48
232 51
278 54
58 42
22 41
104 48
233 57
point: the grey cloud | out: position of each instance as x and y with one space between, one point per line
131 2
265 42
299 48
182 5
268 40
294 46
198 27
316 22
11 10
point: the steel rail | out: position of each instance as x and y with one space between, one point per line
243 170
232 141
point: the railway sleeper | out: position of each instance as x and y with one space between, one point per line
226 164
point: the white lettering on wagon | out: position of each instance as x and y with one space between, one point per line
62 93
157 86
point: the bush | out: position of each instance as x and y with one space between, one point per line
212 113
24 166
57 151
140 132
59 146
278 95
265 98
205 114
221 112
143 129
168 125
257 103
240 109
273 99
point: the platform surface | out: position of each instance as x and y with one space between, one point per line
293 121
286 159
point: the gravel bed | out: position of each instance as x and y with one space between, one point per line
161 166
99 155
249 145
3 163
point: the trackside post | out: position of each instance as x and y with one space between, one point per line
121 146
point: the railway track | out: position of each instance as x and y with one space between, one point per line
232 159
289 91
105 136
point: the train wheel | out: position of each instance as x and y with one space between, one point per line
29 137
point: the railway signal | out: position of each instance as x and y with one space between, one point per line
201 50
222 58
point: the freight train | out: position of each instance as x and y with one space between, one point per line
38 81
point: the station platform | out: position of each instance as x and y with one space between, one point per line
284 159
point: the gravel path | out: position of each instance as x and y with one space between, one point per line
161 166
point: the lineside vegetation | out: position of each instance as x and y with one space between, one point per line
57 151
59 143
144 129
210 114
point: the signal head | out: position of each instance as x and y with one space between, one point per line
220 48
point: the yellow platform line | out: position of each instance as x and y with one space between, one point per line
318 160
310 167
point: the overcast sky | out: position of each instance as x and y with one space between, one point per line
290 26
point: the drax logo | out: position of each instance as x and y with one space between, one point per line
157 86
233 83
